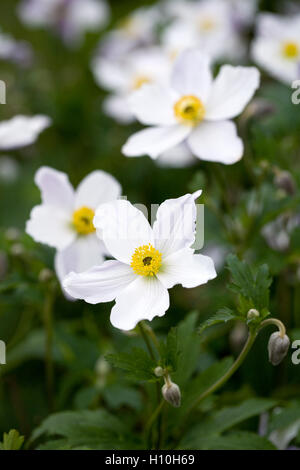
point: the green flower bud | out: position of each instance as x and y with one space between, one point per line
278 348
171 393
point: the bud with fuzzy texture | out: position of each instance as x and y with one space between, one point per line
171 393
253 313
159 371
278 347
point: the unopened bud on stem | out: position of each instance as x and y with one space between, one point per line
278 347
253 313
159 371
171 393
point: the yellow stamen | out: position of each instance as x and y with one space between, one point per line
146 260
189 110
83 220
140 81
291 50
207 24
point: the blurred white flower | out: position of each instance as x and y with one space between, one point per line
21 131
64 220
206 24
136 30
70 18
149 261
15 51
276 47
124 76
194 109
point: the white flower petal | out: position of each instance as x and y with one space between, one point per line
56 189
48 224
192 75
231 91
153 105
117 107
100 283
84 253
144 299
155 141
174 228
21 131
216 142
97 188
187 269
178 157
123 228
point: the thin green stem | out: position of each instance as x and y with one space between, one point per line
48 324
276 322
238 362
143 331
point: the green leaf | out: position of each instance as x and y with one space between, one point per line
251 286
222 316
188 347
235 441
95 429
137 363
12 440
169 351
285 417
226 418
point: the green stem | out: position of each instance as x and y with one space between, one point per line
238 362
276 322
145 330
48 324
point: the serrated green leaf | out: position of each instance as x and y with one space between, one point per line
12 440
95 429
222 316
137 363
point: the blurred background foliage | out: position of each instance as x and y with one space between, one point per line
239 201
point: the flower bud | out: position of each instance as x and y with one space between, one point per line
253 313
45 275
171 393
278 347
159 371
284 180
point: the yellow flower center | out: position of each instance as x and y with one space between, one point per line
139 81
291 50
207 24
146 260
189 110
83 220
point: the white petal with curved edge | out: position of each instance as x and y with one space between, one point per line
100 283
187 269
178 157
216 142
231 92
155 140
116 106
48 224
153 105
123 228
97 188
56 189
84 253
174 228
21 131
144 299
191 74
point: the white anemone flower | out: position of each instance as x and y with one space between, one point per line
136 30
276 47
21 131
148 261
194 109
124 76
71 18
64 219
206 24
